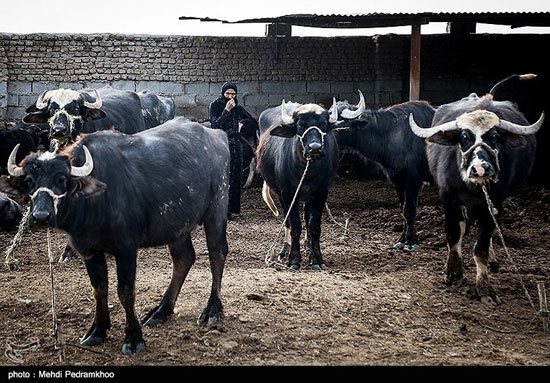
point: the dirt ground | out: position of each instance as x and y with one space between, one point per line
374 305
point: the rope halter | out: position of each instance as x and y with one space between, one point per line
494 152
55 197
323 134
60 142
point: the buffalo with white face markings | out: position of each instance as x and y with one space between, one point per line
71 112
473 143
291 136
115 193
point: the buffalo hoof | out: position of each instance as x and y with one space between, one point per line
131 348
209 320
92 340
93 337
212 314
454 279
488 296
320 267
294 267
399 245
155 316
413 247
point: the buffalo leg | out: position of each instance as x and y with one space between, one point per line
97 271
494 265
285 249
408 199
216 241
481 257
183 257
126 273
295 258
400 244
455 227
314 232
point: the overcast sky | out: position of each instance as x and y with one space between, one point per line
160 17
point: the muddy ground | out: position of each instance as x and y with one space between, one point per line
373 306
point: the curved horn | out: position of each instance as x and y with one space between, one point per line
287 120
13 169
352 114
93 105
42 101
522 129
428 132
334 112
86 169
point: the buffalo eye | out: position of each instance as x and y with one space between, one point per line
28 182
60 181
464 137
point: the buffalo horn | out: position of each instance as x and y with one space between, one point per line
96 104
13 169
428 132
351 114
42 101
522 129
287 120
86 169
334 112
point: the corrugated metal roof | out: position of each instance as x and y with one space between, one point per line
369 20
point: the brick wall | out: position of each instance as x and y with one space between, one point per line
267 70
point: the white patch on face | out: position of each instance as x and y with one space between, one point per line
478 122
46 156
309 108
63 97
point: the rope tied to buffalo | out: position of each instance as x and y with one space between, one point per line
269 256
57 329
11 260
543 311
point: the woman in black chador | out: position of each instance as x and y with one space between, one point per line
226 114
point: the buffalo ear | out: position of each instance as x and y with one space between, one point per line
514 141
284 131
86 186
92 114
9 185
450 138
36 118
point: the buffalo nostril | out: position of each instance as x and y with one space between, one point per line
314 147
40 216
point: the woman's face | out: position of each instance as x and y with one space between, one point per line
230 94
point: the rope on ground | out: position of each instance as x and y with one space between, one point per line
57 329
269 256
331 217
11 260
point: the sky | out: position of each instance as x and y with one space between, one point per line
161 17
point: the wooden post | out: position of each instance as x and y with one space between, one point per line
414 81
543 306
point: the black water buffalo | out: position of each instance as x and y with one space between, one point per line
293 136
114 193
384 136
70 112
11 137
156 110
10 213
473 143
